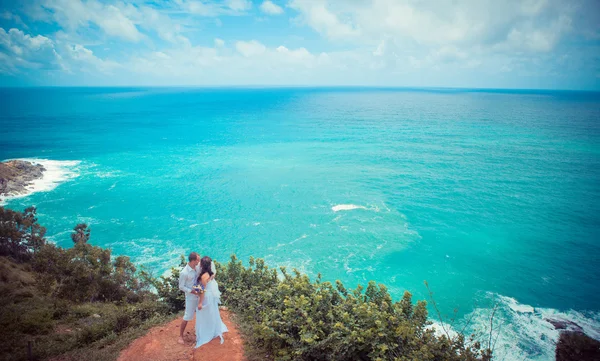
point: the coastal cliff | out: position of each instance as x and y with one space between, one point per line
69 303
17 175
64 304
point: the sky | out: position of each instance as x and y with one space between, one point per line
530 44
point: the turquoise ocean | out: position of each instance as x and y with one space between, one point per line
491 196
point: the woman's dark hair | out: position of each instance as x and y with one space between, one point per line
205 263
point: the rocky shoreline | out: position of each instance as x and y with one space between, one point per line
573 344
17 175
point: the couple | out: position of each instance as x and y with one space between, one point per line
202 296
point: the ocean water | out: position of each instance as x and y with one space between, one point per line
492 197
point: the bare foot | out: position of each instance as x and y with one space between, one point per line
181 341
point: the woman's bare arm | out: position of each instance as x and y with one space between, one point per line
204 279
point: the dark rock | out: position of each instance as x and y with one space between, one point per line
16 175
567 325
577 346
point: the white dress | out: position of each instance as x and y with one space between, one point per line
208 320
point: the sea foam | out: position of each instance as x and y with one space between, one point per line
346 207
57 172
520 331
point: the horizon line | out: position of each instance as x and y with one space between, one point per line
263 86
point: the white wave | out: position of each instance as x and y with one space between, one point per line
194 225
57 236
299 238
57 172
87 220
346 207
516 306
177 218
106 174
154 253
522 332
442 329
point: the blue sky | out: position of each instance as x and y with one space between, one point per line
548 44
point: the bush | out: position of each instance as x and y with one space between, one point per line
86 273
83 310
168 288
36 321
61 309
45 288
20 235
293 318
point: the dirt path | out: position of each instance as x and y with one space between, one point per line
160 344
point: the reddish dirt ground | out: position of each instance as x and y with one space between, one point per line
160 344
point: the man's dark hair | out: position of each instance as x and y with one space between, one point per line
193 256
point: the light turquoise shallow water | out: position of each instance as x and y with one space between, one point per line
489 196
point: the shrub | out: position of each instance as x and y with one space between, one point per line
44 287
36 321
86 273
20 234
168 291
61 309
293 318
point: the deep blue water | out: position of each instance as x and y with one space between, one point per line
490 196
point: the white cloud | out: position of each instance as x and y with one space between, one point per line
250 63
204 8
299 56
85 60
74 14
268 7
391 42
200 8
250 48
448 53
380 51
115 23
178 65
20 52
486 24
537 39
239 5
14 17
158 22
23 51
317 15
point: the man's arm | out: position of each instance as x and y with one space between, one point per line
182 286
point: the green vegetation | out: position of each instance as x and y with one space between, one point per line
287 317
71 302
82 303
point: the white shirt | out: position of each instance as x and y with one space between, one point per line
188 276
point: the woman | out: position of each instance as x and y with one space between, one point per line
208 320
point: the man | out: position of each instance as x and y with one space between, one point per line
187 277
